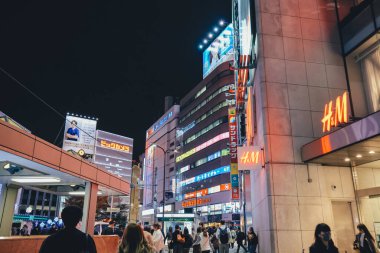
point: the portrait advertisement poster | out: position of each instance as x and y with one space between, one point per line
219 51
79 136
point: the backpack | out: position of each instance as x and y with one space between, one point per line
223 236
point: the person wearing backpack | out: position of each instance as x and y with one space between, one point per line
224 236
188 240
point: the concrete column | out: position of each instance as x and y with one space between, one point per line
89 208
8 198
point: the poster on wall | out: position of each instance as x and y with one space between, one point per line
79 136
219 51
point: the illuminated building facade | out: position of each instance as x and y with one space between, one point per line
203 163
312 105
160 142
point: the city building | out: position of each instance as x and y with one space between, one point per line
313 113
203 164
159 164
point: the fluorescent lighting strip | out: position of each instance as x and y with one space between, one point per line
36 180
82 193
203 146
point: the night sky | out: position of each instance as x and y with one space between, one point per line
115 60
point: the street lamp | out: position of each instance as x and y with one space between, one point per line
164 186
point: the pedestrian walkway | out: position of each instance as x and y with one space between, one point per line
166 250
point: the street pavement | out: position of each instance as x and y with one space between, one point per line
231 250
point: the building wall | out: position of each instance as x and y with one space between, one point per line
218 78
299 70
165 137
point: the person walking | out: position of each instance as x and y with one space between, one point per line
148 236
253 240
233 237
158 238
133 240
188 240
215 243
205 242
178 240
240 237
197 241
223 234
169 239
322 240
69 239
364 240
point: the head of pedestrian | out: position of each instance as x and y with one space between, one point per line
170 229
364 230
199 230
222 222
156 226
177 227
322 233
147 229
185 231
71 215
133 239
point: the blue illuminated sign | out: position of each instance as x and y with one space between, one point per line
162 121
206 175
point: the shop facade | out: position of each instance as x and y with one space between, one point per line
316 118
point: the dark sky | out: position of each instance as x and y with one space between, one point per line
115 60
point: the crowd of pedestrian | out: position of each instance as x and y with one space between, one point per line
217 239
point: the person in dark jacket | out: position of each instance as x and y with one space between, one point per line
69 239
364 240
188 241
177 245
323 242
240 237
253 240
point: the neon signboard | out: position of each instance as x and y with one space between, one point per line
115 146
207 191
232 127
337 114
206 175
202 146
163 120
250 158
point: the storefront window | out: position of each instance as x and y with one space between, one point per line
371 76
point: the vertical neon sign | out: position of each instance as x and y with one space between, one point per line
232 127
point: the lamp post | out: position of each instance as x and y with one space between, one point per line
164 185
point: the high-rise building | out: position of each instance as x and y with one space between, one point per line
313 112
159 165
203 164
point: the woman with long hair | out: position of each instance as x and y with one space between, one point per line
323 242
188 240
252 240
133 240
364 240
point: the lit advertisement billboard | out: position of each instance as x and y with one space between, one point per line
114 153
206 175
220 50
79 136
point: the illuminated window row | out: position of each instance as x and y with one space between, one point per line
200 92
206 129
199 106
209 158
203 146
206 175
204 116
